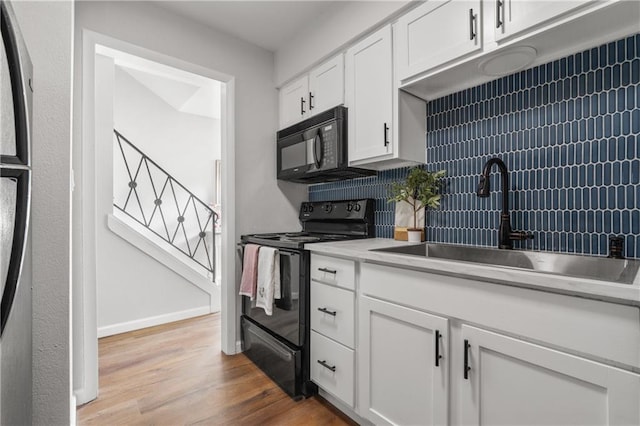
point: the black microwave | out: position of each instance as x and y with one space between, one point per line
316 150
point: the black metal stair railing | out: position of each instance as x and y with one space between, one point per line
157 201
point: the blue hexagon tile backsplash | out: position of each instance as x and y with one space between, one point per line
569 132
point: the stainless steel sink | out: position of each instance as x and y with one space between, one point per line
621 271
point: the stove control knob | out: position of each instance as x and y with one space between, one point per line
327 208
305 208
310 208
357 207
349 207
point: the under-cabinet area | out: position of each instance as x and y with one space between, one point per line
445 348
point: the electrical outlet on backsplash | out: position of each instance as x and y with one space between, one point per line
569 133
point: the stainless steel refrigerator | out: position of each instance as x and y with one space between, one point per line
15 241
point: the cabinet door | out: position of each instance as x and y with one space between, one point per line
437 32
294 102
514 16
402 379
326 85
369 90
512 382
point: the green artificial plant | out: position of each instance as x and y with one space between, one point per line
420 189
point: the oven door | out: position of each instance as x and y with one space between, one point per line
288 317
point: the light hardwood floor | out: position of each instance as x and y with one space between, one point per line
175 374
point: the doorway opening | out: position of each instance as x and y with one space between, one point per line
157 180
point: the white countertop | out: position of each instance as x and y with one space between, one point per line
580 287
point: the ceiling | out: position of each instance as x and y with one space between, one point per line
268 24
184 91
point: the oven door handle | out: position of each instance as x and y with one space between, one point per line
288 253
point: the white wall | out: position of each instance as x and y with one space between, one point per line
132 287
48 31
330 32
262 203
185 145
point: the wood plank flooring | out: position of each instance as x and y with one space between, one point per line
176 374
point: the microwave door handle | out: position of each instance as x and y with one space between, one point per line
318 148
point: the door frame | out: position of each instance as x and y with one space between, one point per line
84 325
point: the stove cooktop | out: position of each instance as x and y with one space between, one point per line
323 221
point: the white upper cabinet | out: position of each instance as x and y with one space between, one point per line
515 16
318 91
326 85
293 101
437 32
369 96
513 382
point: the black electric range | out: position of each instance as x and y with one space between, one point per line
279 343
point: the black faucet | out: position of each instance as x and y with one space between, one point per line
505 234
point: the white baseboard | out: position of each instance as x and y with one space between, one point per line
82 396
347 410
238 346
123 327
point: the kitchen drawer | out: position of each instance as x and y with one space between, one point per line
334 271
336 373
332 312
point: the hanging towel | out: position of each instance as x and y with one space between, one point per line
249 271
268 278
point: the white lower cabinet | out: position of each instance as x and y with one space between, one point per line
332 367
333 326
425 356
513 382
403 364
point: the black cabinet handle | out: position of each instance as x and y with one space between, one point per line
466 359
302 102
438 356
327 366
326 311
328 271
386 134
472 25
311 101
498 13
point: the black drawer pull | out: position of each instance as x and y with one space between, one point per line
438 356
326 311
472 25
327 366
386 136
466 359
499 5
328 271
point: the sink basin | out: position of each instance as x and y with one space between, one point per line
621 271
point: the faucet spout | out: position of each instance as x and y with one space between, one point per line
484 187
505 234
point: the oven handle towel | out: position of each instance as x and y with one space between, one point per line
249 279
268 287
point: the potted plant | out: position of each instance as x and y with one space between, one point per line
420 190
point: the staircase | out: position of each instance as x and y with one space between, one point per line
145 193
